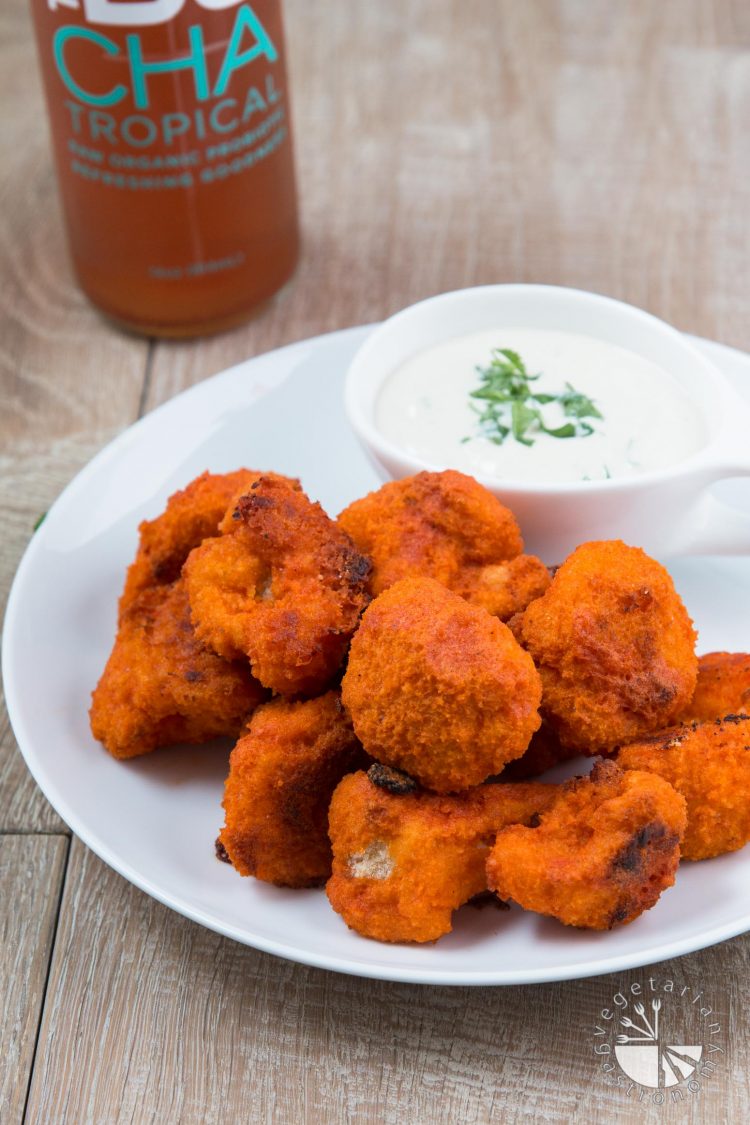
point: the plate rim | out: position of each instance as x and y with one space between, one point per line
182 906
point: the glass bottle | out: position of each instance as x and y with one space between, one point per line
171 128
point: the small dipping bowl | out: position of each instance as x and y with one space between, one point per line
670 511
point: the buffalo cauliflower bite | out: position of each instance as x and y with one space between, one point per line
614 647
438 687
448 527
191 515
709 764
282 586
162 686
600 856
282 773
723 687
544 752
402 863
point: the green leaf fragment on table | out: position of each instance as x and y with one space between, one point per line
39 521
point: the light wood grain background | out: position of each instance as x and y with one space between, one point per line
440 143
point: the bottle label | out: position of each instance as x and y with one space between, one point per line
140 119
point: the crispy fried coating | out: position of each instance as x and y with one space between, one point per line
506 588
723 687
614 646
282 585
402 863
191 515
544 752
282 773
162 686
600 856
448 527
709 764
438 687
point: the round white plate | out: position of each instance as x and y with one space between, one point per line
155 819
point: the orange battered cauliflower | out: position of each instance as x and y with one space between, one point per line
162 686
403 863
448 527
709 764
282 586
600 856
191 515
614 646
723 687
438 687
282 773
544 752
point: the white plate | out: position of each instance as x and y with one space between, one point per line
155 819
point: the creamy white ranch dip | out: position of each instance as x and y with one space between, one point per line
648 422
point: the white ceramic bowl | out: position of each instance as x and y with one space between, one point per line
669 511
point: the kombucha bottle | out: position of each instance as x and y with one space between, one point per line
171 129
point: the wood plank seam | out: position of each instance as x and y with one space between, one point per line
147 370
53 943
62 832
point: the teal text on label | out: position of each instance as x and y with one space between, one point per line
240 53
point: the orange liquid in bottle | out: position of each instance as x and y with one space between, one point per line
171 127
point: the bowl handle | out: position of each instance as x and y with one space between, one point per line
714 528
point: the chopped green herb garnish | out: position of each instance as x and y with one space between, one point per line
510 406
568 430
522 417
577 405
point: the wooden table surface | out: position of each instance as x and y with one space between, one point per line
441 143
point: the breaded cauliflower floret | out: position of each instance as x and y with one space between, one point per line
191 515
614 646
544 752
723 687
438 687
448 527
402 863
162 686
282 773
709 764
600 856
282 586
